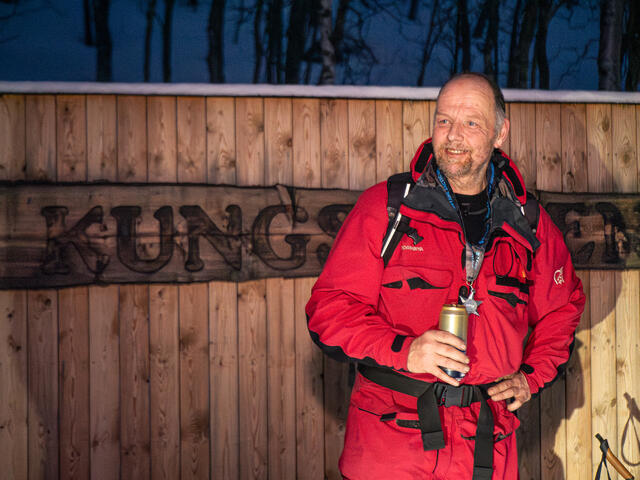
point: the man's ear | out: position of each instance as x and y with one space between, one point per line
502 135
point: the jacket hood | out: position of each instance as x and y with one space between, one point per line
423 159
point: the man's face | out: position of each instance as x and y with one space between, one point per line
464 133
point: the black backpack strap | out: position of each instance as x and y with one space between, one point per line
398 187
532 211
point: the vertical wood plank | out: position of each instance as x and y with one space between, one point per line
71 127
528 436
132 138
73 368
309 391
362 144
628 365
574 146
250 141
388 133
221 140
162 161
603 358
307 168
134 381
281 378
252 392
334 135
223 354
104 382
13 384
12 137
278 141
164 379
42 334
522 141
599 148
416 129
579 436
548 147
194 381
192 138
40 113
102 162
625 161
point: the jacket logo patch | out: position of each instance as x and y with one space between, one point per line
413 248
558 276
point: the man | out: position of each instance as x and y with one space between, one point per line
471 238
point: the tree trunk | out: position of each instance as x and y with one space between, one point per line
327 50
632 46
274 48
257 41
545 14
148 35
435 26
166 39
463 38
519 56
104 72
610 44
487 25
296 39
215 31
88 27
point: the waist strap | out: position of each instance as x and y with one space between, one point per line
430 396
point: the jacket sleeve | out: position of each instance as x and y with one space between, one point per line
556 302
342 313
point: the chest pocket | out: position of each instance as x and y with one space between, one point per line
510 281
411 297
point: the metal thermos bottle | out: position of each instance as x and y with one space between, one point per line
454 319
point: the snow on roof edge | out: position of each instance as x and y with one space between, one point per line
338 91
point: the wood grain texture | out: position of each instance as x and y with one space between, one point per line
132 138
628 366
307 166
102 161
71 130
73 367
221 140
278 131
624 137
309 391
161 131
574 148
281 378
42 334
252 370
548 147
192 138
578 393
104 382
388 138
522 141
13 385
362 144
528 437
250 141
334 135
133 307
194 381
223 370
416 128
602 294
164 381
599 148
12 137
553 432
41 138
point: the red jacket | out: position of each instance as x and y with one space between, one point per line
363 311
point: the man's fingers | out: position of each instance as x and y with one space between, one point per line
451 364
450 339
445 378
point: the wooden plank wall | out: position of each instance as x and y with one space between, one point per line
220 380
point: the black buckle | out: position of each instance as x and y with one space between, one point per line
453 396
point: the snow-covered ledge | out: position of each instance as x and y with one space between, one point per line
341 91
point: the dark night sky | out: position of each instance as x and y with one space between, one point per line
44 42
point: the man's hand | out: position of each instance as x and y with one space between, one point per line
512 386
434 349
